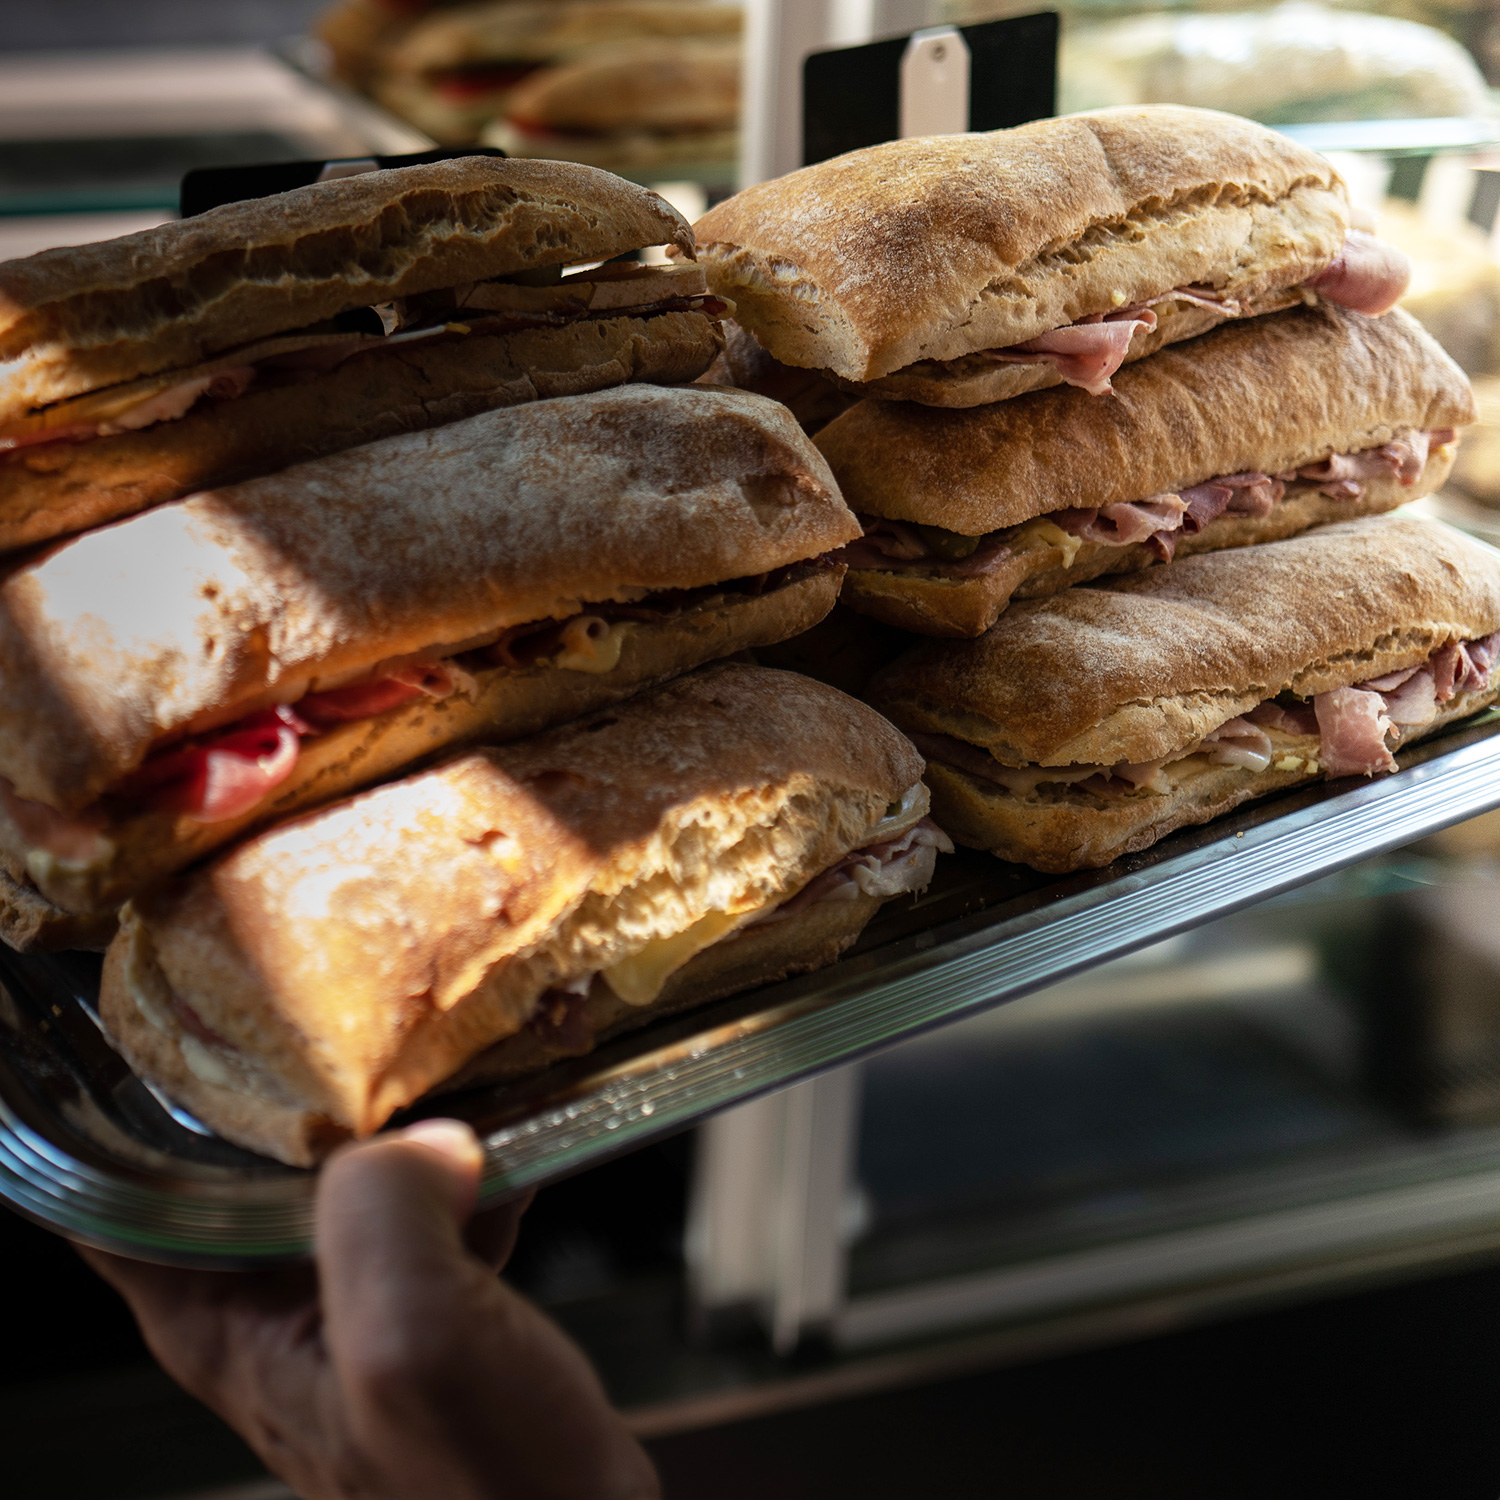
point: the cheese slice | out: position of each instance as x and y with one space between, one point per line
639 979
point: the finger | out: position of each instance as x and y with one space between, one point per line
389 1225
491 1235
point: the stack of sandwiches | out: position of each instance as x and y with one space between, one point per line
432 752
1131 402
392 765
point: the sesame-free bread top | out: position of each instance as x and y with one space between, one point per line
936 247
195 613
364 953
1268 394
77 319
1145 665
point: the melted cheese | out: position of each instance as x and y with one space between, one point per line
590 644
1044 533
639 979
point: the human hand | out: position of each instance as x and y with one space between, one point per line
400 1367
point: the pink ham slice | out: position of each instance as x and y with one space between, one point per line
360 700
1368 276
1124 525
224 777
1353 724
1299 721
1085 354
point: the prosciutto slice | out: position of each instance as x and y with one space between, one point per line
1368 275
220 778
1126 524
1298 721
1238 742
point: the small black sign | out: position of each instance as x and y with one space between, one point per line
851 96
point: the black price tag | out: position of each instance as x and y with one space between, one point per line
209 187
853 96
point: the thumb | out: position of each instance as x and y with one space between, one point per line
389 1224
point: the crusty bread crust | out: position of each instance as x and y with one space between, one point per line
360 955
200 611
292 1133
30 923
1070 829
76 319
930 604
933 248
60 488
144 847
1147 664
1267 394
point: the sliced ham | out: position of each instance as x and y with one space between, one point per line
1298 721
1369 275
905 863
1125 524
1414 702
1085 354
1353 725
360 700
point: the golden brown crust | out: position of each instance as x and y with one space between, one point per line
30 923
1268 394
506 705
199 611
60 488
73 320
430 915
967 607
1147 664
1078 830
933 248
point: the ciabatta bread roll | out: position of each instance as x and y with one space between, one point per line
734 825
1251 433
1090 724
964 269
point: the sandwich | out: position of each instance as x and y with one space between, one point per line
1249 433
355 33
959 270
458 69
513 906
169 683
659 103
1091 724
264 333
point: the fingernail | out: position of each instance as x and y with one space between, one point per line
452 1138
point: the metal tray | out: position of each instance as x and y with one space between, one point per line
88 1150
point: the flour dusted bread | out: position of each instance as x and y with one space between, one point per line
1274 395
328 972
1118 682
76 319
936 248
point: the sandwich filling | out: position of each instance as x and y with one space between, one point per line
226 772
1155 522
899 856
1368 276
1346 731
532 300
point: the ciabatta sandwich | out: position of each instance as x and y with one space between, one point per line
265 333
453 72
730 828
1252 432
172 681
1088 725
963 269
642 104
